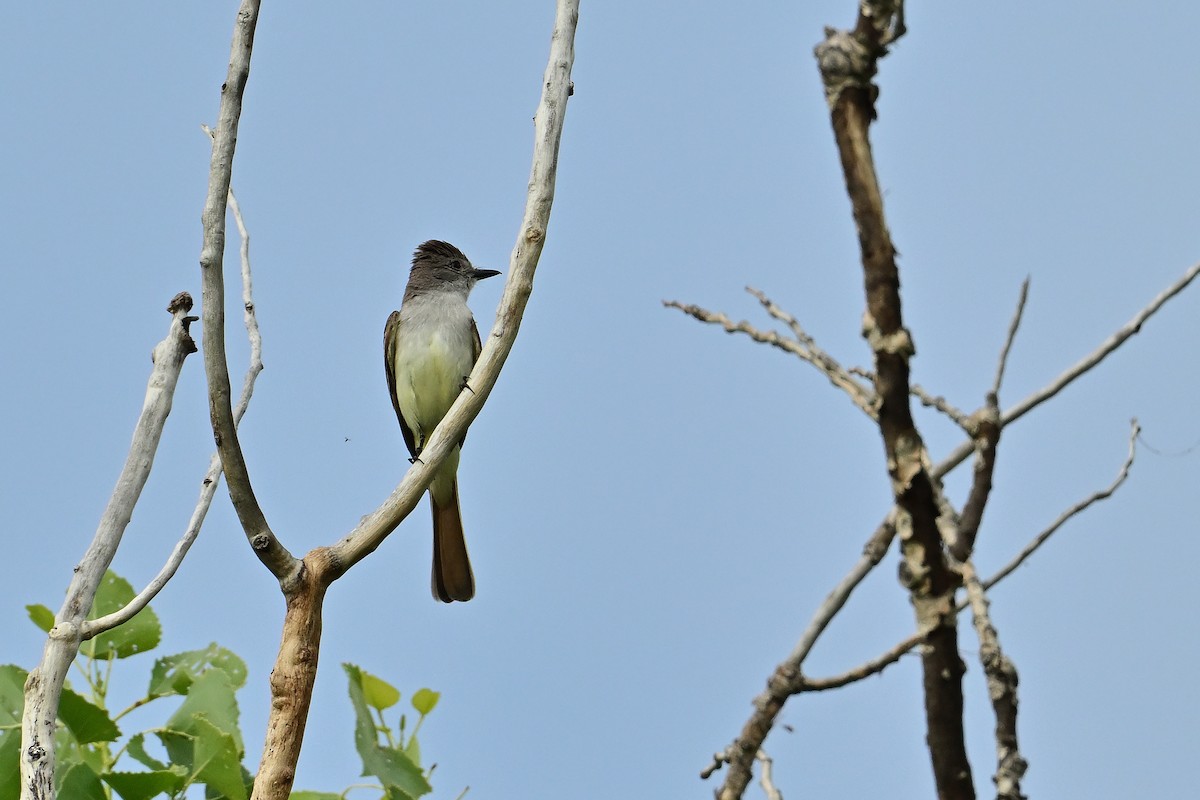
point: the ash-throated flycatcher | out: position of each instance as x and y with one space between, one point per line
429 348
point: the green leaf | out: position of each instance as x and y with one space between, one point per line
87 721
12 694
144 785
180 749
80 782
314 796
208 755
424 700
10 764
175 674
218 760
142 633
137 751
210 697
41 616
393 768
377 692
70 752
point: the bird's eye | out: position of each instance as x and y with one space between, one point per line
456 265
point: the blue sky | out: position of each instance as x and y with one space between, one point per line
654 508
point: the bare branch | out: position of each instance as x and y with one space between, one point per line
548 126
43 689
873 552
984 425
869 668
1012 335
927 399
1002 689
959 454
282 564
803 346
940 403
208 486
788 678
1074 510
848 61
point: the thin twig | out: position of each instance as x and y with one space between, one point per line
802 347
873 552
959 454
1176 453
1073 511
766 778
869 668
208 486
1012 334
940 403
838 375
788 677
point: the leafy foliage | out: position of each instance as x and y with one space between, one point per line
201 741
395 762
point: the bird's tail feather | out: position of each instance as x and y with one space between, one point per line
452 576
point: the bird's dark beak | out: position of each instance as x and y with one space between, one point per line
480 274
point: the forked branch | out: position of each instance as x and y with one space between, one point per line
304 582
893 654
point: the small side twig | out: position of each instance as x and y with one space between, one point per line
1012 335
868 668
1071 512
788 677
767 779
940 403
802 346
1081 367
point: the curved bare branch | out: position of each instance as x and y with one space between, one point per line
282 564
208 486
548 126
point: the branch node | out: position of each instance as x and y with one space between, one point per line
844 63
180 302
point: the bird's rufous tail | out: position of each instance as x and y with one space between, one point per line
452 577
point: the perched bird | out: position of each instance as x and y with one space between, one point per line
429 348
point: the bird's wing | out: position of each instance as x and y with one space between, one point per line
390 333
474 357
478 342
